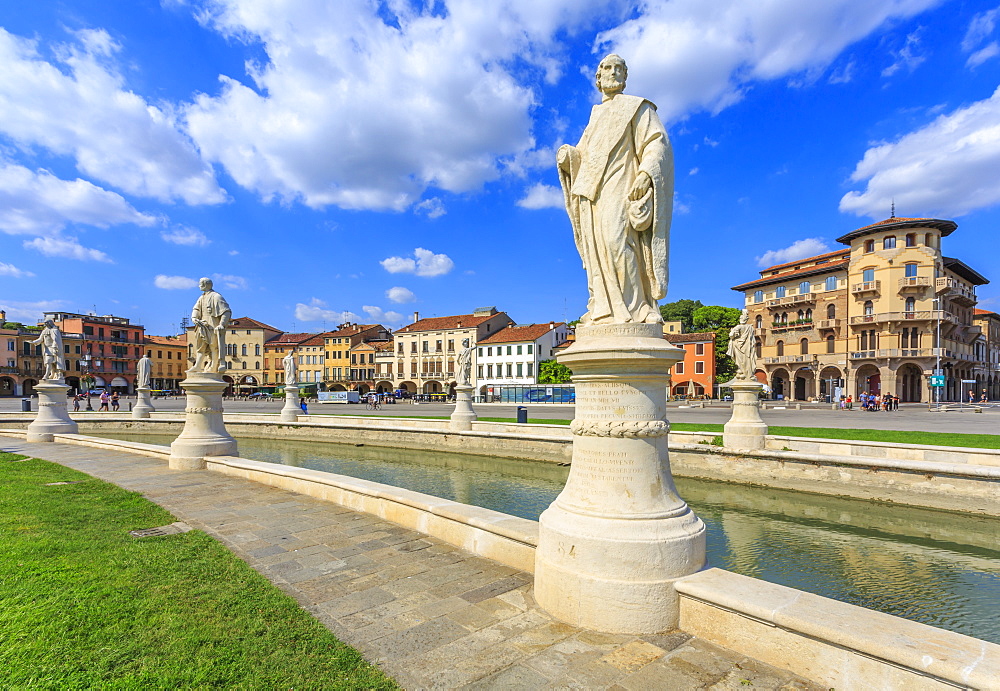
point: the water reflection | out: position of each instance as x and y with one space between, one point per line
939 568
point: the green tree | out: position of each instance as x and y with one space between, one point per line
551 372
718 320
680 310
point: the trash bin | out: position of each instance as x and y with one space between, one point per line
25 405
522 415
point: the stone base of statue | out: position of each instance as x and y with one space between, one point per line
292 408
616 539
463 416
144 405
745 429
204 431
53 413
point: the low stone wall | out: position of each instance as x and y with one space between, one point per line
838 645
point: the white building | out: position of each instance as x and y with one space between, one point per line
510 357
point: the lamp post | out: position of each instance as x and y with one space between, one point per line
88 379
937 350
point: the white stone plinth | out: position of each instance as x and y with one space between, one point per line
143 406
204 431
292 409
53 413
615 540
745 429
463 416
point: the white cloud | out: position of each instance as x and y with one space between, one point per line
30 312
233 253
990 50
39 203
184 235
12 271
231 282
693 171
541 196
377 314
800 249
433 207
906 56
400 295
68 248
426 264
691 55
175 282
316 311
980 28
80 106
948 167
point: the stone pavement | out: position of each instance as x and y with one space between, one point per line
429 614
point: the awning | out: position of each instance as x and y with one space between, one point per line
119 381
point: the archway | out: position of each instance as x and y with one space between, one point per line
909 383
338 387
7 386
779 383
804 384
28 387
869 380
383 387
830 379
432 387
363 389
451 388
72 382
409 387
229 385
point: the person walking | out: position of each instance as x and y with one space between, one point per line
104 401
76 403
850 402
984 398
114 401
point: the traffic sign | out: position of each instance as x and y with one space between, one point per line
937 380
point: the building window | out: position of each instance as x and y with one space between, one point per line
699 367
480 371
869 246
928 239
520 369
830 344
831 282
804 346
400 348
889 242
531 349
699 348
509 348
869 307
911 240
779 292
679 368
256 349
758 346
489 371
780 348
244 350
831 311
911 304
519 350
868 275
804 288
530 367
911 270
760 321
510 370
758 296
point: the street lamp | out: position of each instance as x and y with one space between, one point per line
88 378
937 350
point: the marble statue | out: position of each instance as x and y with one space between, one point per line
464 370
211 316
743 349
291 372
52 351
618 188
144 372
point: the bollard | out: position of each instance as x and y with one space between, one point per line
522 415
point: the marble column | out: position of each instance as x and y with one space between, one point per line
616 539
204 431
463 416
292 409
745 429
53 413
144 405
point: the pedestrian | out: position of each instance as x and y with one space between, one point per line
104 401
850 402
984 398
302 404
76 403
895 402
114 401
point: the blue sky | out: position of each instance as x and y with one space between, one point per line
351 160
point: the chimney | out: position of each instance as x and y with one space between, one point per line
416 317
552 325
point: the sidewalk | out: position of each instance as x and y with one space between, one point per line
431 615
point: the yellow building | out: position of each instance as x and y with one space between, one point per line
879 316
312 359
338 344
169 356
244 353
274 352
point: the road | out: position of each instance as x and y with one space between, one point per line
908 417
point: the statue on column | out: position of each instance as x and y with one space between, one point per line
743 349
52 351
144 372
211 316
463 374
291 372
618 186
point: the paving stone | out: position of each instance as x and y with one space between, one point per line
472 617
514 677
476 666
419 639
541 637
355 602
633 656
563 656
668 641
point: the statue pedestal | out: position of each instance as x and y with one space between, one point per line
463 416
745 429
292 409
144 406
616 539
53 413
204 431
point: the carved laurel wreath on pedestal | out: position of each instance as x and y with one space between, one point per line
205 409
619 428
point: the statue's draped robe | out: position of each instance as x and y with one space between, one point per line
143 373
291 375
626 269
213 309
743 350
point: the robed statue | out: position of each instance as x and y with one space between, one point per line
144 372
464 370
291 373
618 185
52 351
211 316
743 349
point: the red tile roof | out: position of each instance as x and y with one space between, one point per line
985 312
248 323
946 227
288 339
345 331
700 337
168 340
779 267
782 277
520 334
458 321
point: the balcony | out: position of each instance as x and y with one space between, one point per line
789 326
785 359
914 284
866 288
790 300
863 354
921 315
828 324
907 352
960 293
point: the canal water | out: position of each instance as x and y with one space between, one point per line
934 567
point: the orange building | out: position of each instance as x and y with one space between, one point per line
698 365
110 348
169 354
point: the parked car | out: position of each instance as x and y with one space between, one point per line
95 392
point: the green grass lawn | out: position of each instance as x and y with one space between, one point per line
85 605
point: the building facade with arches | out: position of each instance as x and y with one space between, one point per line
880 315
